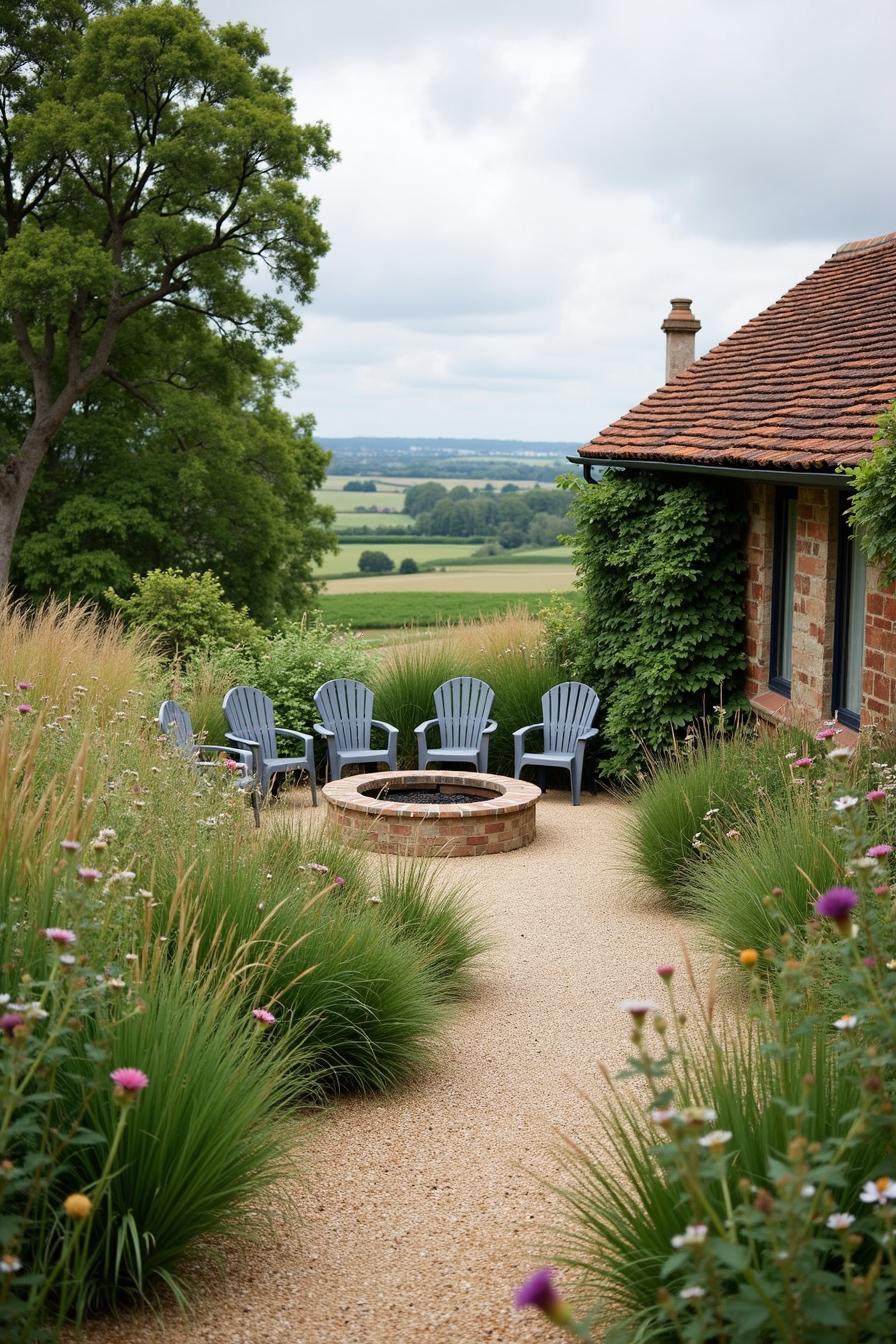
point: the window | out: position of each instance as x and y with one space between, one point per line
849 629
784 572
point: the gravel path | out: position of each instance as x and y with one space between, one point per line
421 1211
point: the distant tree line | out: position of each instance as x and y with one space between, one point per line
514 517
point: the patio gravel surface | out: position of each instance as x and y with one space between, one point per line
420 1212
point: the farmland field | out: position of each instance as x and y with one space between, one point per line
346 560
378 610
483 578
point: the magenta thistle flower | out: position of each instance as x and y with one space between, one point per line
9 1022
837 904
338 881
879 851
638 1007
24 685
824 734
129 1081
63 937
70 846
232 765
263 1017
89 874
875 796
538 1291
24 709
666 971
803 762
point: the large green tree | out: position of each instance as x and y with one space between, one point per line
151 174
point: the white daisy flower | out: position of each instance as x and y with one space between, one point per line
880 1191
695 1234
840 1222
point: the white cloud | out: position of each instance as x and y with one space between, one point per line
522 188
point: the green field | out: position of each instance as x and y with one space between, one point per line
383 611
346 560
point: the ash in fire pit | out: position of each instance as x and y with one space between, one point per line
433 796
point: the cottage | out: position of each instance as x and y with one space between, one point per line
780 406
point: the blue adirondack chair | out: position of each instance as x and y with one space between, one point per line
569 711
177 726
250 714
346 710
462 709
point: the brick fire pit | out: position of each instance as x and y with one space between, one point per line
500 813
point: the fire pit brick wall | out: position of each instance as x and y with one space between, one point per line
503 821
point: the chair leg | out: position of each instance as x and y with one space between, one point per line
313 782
256 808
575 781
482 757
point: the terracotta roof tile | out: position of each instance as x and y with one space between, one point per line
800 386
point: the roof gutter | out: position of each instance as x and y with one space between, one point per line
782 476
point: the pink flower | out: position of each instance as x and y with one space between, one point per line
666 971
824 733
263 1017
24 709
70 846
803 763
89 874
638 1007
24 685
882 891
875 796
129 1081
879 851
64 937
338 881
232 765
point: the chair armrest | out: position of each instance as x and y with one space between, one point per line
291 732
421 728
246 741
324 732
529 728
490 727
589 732
381 723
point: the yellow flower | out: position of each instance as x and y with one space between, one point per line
749 956
78 1206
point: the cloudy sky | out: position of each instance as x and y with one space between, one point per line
524 184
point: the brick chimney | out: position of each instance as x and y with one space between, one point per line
681 326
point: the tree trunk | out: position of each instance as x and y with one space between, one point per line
16 477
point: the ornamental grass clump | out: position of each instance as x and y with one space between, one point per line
739 1183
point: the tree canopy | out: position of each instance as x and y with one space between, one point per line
154 242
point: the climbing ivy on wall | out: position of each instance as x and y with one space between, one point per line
661 565
872 510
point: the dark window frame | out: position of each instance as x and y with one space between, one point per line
850 718
783 497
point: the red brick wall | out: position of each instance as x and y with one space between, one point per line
879 676
815 588
758 602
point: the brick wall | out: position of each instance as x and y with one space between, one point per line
758 602
879 676
815 592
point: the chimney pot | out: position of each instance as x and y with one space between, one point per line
681 327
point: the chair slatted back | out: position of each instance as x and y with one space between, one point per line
568 709
177 726
250 713
346 708
463 705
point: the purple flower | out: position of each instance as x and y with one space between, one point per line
338 881
9 1022
837 904
538 1291
24 709
263 1017
89 874
824 734
876 796
70 846
24 685
879 851
803 763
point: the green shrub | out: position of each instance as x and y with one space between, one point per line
409 566
435 918
662 569
375 562
184 611
299 660
872 506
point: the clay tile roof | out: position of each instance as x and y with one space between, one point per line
798 387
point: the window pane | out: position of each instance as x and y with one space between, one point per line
786 575
854 630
